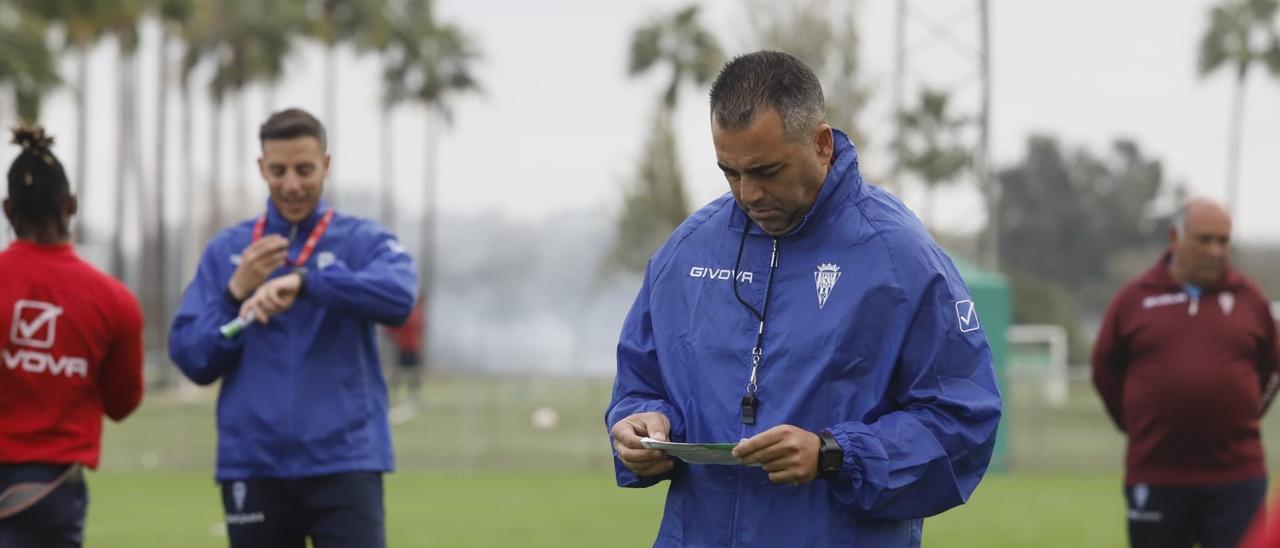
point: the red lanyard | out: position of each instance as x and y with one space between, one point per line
312 240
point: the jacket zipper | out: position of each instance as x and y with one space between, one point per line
741 474
289 353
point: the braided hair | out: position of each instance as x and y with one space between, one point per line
38 187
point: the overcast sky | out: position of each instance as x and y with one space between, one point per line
560 125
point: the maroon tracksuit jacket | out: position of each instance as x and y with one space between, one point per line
1187 379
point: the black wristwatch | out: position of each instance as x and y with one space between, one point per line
830 456
302 280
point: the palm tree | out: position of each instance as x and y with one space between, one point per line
338 21
247 41
175 17
430 64
27 64
680 43
83 24
654 204
1241 34
931 146
656 201
121 18
198 46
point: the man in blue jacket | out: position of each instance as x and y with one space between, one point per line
811 316
303 438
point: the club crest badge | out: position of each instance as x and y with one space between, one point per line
1140 494
825 278
238 492
1227 301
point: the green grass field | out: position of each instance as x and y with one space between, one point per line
585 510
474 472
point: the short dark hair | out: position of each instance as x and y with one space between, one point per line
772 79
38 187
292 124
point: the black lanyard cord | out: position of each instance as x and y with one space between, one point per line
768 289
749 401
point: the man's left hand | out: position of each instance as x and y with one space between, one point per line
788 453
272 298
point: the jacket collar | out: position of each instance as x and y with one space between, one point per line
1158 276
842 180
276 223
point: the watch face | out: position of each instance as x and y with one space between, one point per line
830 461
830 456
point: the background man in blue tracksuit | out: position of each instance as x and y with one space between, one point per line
812 316
303 438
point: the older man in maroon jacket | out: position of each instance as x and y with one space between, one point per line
1185 363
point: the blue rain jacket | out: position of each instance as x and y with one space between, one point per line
890 357
304 394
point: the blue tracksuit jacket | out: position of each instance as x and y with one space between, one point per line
890 357
304 394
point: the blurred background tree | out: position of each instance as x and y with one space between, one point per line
431 63
656 202
1074 226
825 36
931 146
1241 34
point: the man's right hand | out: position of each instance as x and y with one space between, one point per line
626 443
257 262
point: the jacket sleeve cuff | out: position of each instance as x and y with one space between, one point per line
229 298
866 465
627 478
657 406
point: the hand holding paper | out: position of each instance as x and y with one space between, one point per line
695 453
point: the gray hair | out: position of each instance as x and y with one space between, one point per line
770 79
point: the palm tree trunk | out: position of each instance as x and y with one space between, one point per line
215 170
159 273
122 165
430 210
242 203
385 170
82 130
330 111
330 90
268 99
190 230
162 133
1234 148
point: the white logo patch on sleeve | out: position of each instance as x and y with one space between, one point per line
325 259
967 315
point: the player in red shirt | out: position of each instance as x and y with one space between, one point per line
70 351
1186 363
409 359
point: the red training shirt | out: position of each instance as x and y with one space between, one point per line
1187 378
408 336
70 351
